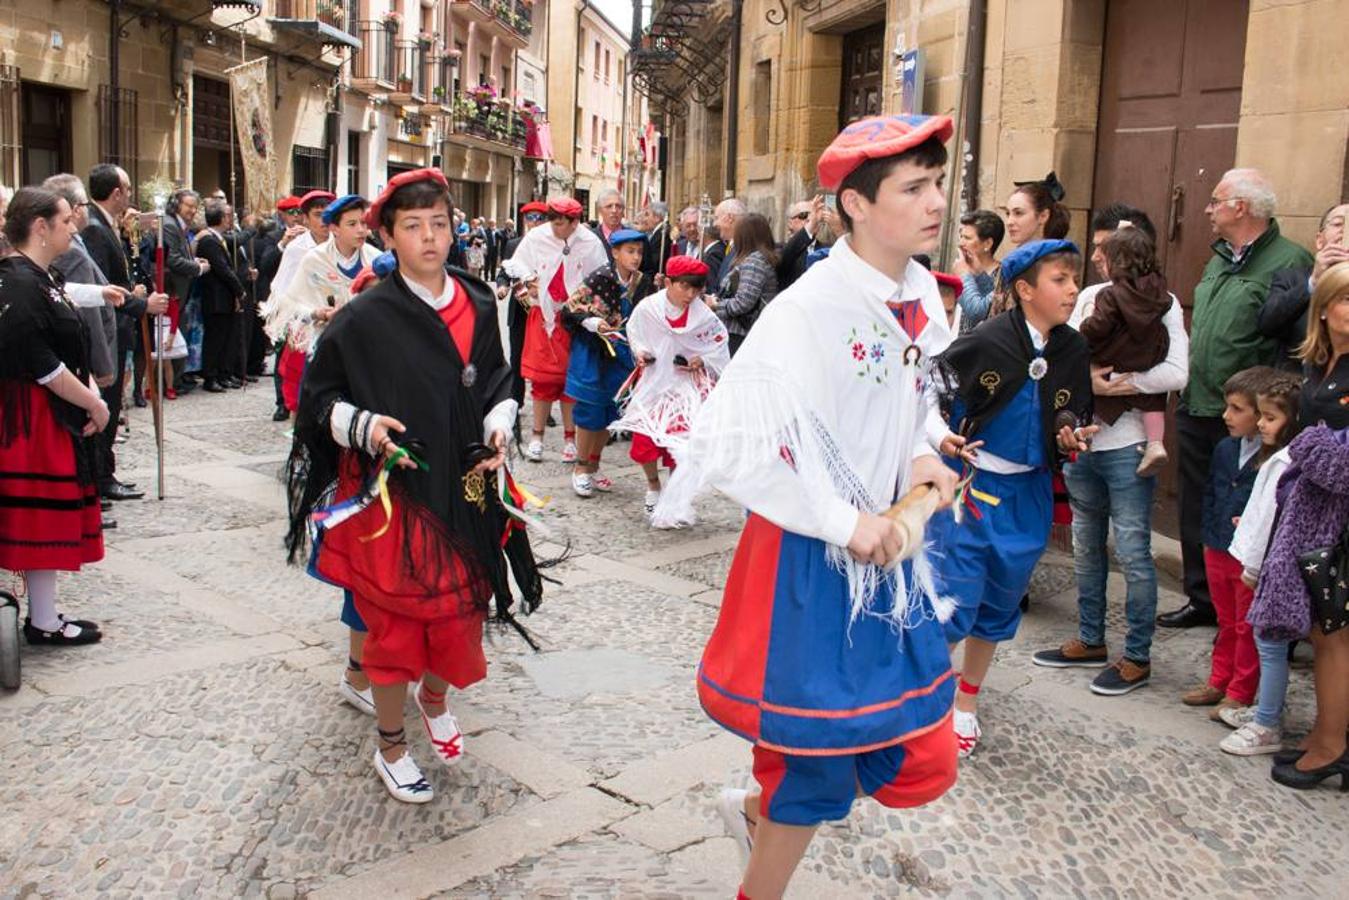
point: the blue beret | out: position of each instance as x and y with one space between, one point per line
334 210
625 236
383 264
1023 257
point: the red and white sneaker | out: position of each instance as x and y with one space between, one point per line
601 482
967 733
446 738
569 452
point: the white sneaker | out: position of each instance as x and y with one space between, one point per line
652 498
582 485
601 482
731 808
1252 739
1236 716
403 779
967 733
569 452
534 452
444 732
364 701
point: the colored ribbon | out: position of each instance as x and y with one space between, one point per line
967 494
376 486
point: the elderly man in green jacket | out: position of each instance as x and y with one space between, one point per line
1224 339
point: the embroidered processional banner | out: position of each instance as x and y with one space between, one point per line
253 124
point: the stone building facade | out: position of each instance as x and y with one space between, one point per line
1146 101
363 89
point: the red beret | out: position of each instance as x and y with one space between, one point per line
364 279
951 281
321 197
877 137
566 206
677 266
285 204
402 179
537 206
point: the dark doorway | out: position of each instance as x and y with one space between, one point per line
45 130
212 140
583 198
863 72
1170 99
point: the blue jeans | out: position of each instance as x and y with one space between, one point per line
1273 681
1103 486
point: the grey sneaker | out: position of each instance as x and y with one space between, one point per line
1252 739
1121 678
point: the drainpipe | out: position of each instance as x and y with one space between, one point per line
733 100
114 80
576 99
974 103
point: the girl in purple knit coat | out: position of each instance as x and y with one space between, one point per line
1314 511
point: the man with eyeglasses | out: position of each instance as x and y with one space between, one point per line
1225 338
803 219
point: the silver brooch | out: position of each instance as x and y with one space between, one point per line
1038 368
470 375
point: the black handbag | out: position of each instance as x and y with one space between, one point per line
1326 573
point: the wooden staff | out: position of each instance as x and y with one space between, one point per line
910 515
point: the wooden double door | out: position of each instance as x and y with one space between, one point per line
1170 100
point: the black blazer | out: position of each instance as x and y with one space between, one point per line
714 255
220 287
109 251
792 258
658 249
1284 315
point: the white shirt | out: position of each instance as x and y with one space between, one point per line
1168 375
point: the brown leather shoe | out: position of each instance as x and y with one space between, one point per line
1204 695
1072 653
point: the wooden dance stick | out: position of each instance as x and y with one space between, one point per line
910 515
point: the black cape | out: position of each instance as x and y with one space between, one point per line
389 353
989 366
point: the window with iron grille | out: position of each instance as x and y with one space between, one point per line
118 129
353 162
309 169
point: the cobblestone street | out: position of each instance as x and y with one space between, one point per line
201 749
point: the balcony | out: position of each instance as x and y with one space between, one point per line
513 19
485 118
410 86
330 22
374 66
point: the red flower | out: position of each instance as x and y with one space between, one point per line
859 351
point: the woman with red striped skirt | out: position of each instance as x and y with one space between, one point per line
49 512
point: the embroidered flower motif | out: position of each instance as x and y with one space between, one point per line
869 352
859 351
877 352
1037 369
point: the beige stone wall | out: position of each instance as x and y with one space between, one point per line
147 65
1295 107
562 64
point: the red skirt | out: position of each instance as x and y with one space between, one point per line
291 364
48 518
544 359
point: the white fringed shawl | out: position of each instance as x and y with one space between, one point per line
820 415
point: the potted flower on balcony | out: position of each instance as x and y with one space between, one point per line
438 93
425 38
404 83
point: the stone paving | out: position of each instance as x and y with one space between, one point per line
201 751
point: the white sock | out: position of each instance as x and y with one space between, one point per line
42 599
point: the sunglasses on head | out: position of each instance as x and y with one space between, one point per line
801 215
534 217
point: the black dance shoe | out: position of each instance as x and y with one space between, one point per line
1188 616
60 637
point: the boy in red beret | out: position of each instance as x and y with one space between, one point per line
558 258
408 446
828 654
